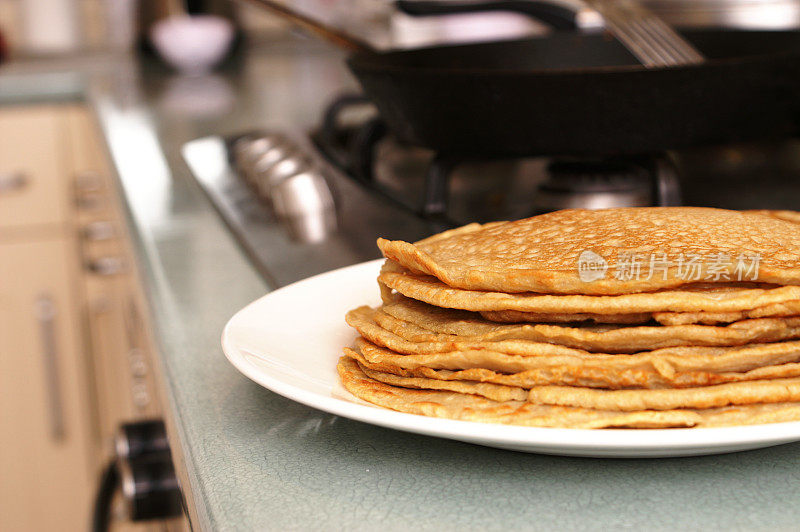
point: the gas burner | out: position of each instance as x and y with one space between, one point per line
453 190
608 183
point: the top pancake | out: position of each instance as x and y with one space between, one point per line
789 216
541 254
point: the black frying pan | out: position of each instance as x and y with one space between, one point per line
584 94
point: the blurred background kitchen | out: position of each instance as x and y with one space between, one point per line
162 162
83 442
36 27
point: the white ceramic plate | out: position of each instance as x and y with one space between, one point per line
290 340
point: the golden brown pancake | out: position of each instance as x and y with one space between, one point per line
788 309
415 399
362 319
541 254
586 376
690 298
534 322
469 407
646 370
419 322
736 393
788 216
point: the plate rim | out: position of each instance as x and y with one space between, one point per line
598 440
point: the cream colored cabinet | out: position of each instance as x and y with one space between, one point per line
117 326
75 355
33 185
117 332
47 469
120 349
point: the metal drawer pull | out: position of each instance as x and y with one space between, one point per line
12 181
45 309
88 181
99 230
91 201
106 265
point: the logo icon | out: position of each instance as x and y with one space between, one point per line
591 266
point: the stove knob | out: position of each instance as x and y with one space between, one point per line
248 150
283 169
304 204
149 485
150 489
302 194
268 159
141 439
250 146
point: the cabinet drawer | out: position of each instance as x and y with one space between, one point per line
33 189
46 481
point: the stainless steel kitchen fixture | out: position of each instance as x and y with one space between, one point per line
738 14
645 34
301 202
316 219
741 14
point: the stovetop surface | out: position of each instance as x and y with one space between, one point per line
307 239
289 248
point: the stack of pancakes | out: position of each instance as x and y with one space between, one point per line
638 318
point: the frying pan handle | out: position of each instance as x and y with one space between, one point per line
556 15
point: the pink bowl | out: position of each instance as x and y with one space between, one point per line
192 43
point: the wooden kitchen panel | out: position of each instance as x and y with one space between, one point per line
86 144
33 184
120 351
118 336
47 478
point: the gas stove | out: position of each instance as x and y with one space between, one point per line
313 219
304 202
455 190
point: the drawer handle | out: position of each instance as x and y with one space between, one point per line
46 316
88 181
12 181
106 265
99 230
